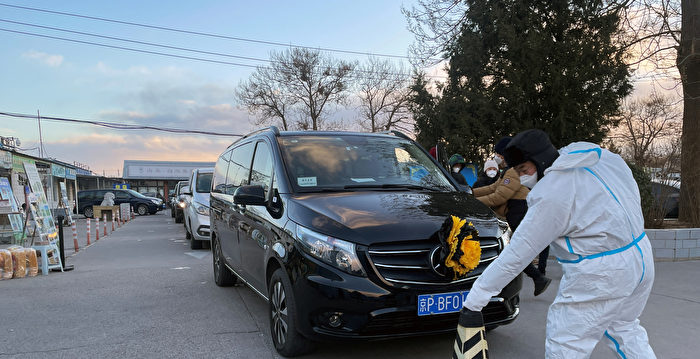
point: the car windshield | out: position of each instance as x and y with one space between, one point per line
344 162
204 182
139 195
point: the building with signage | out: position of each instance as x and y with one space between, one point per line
52 173
157 178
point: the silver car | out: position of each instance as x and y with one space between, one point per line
197 207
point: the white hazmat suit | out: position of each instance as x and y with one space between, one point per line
587 205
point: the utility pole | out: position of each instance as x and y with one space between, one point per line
41 141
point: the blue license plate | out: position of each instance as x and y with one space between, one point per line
440 303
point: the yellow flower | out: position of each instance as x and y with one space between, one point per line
469 252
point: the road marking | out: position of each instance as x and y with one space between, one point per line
198 255
181 268
180 240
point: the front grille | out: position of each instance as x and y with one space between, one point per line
409 263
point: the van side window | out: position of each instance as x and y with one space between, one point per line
262 167
218 182
239 167
121 195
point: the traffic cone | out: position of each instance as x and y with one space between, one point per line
471 340
74 232
88 231
97 229
104 224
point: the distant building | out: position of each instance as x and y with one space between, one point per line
158 177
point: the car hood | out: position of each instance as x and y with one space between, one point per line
202 198
369 217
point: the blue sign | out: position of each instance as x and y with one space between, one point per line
122 186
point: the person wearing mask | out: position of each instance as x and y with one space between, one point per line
456 163
585 202
489 176
499 149
507 197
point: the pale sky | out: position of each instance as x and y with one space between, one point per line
88 82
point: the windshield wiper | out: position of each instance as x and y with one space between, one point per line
390 185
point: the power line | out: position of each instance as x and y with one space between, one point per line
130 49
118 126
190 32
164 46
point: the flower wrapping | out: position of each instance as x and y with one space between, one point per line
461 252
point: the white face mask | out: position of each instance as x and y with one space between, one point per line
491 173
455 169
528 181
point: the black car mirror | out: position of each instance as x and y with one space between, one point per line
250 195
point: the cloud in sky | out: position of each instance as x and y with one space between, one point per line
46 59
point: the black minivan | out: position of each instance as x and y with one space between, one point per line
338 231
140 203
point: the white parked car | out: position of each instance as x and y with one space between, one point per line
197 207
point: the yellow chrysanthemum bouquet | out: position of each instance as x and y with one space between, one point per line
462 252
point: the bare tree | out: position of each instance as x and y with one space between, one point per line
384 96
435 24
264 96
646 125
296 89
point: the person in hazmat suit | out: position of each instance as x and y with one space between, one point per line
585 202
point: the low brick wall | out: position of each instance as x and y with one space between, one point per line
675 244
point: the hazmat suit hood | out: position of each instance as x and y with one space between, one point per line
531 145
576 155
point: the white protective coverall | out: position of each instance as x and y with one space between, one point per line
588 207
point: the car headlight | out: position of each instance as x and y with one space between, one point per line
182 204
155 201
201 209
333 251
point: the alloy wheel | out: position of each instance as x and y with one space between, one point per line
279 313
217 259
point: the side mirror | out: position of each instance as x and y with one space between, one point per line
186 190
250 195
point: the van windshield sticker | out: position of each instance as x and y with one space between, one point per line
306 181
362 180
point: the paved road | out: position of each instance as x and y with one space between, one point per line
141 292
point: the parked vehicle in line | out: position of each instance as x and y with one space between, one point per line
197 207
666 196
178 204
141 204
338 232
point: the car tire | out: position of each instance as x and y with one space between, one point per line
188 235
283 321
222 276
142 210
87 212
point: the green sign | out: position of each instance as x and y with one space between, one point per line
18 163
58 171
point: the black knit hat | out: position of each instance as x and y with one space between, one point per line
501 145
531 145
